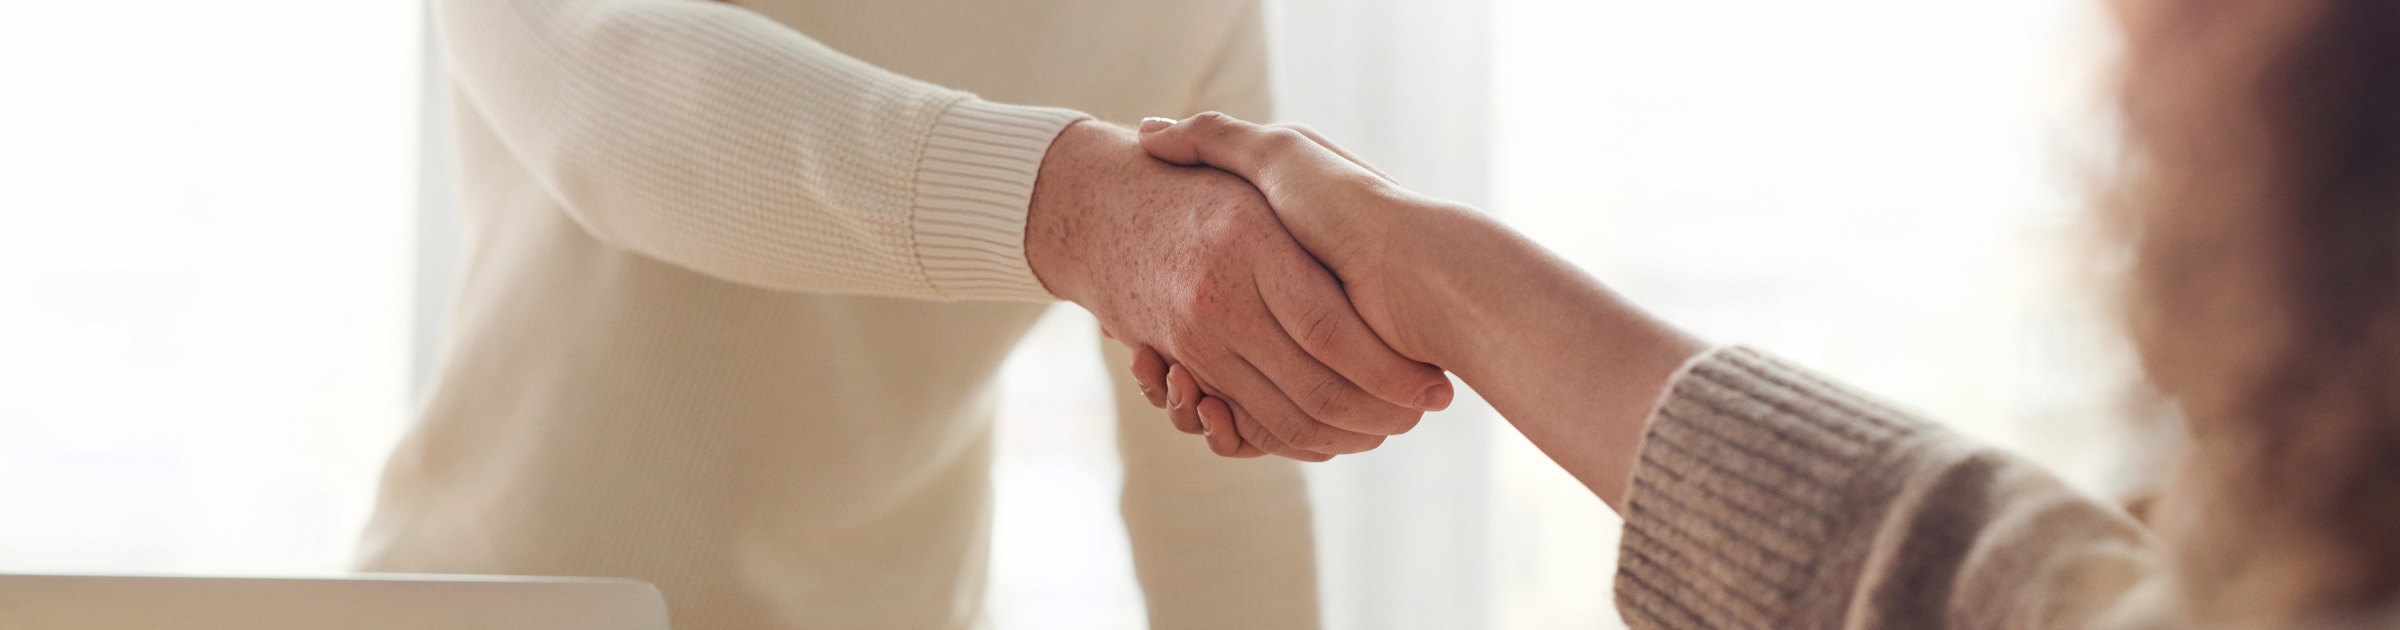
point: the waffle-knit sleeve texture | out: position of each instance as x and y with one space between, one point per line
713 138
1769 497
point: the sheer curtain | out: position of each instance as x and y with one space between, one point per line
1888 190
1404 533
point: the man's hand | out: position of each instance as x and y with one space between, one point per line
1194 265
1343 211
1335 204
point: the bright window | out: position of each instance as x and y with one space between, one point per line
1892 191
205 223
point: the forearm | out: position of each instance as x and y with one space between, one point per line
1760 466
713 138
1772 497
1571 364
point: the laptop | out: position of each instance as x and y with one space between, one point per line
360 602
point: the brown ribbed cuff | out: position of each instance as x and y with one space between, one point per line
1753 479
973 188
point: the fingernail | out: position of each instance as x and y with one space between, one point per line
1437 397
1173 401
1154 123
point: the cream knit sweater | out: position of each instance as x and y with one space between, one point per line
739 282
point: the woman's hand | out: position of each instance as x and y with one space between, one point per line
1572 365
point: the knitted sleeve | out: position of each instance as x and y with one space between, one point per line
1768 497
713 138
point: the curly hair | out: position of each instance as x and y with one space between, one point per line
2261 203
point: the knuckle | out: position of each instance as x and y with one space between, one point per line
1318 329
1268 143
1395 380
1265 439
1315 437
1201 295
1285 139
1326 398
1294 433
1182 330
1255 435
1213 123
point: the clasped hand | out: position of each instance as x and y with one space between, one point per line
1244 335
1259 317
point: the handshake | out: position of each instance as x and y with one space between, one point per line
1247 267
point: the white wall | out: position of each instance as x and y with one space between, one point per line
204 242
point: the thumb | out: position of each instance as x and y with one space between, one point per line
1160 140
1243 148
1154 123
1212 139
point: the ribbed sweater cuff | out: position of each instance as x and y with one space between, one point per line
1753 477
973 187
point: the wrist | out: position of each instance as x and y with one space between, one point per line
1065 206
1573 365
1433 304
1485 295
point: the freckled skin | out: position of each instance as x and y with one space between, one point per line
1194 264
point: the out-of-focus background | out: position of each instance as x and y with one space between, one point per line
225 248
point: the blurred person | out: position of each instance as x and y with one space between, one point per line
2261 207
740 279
